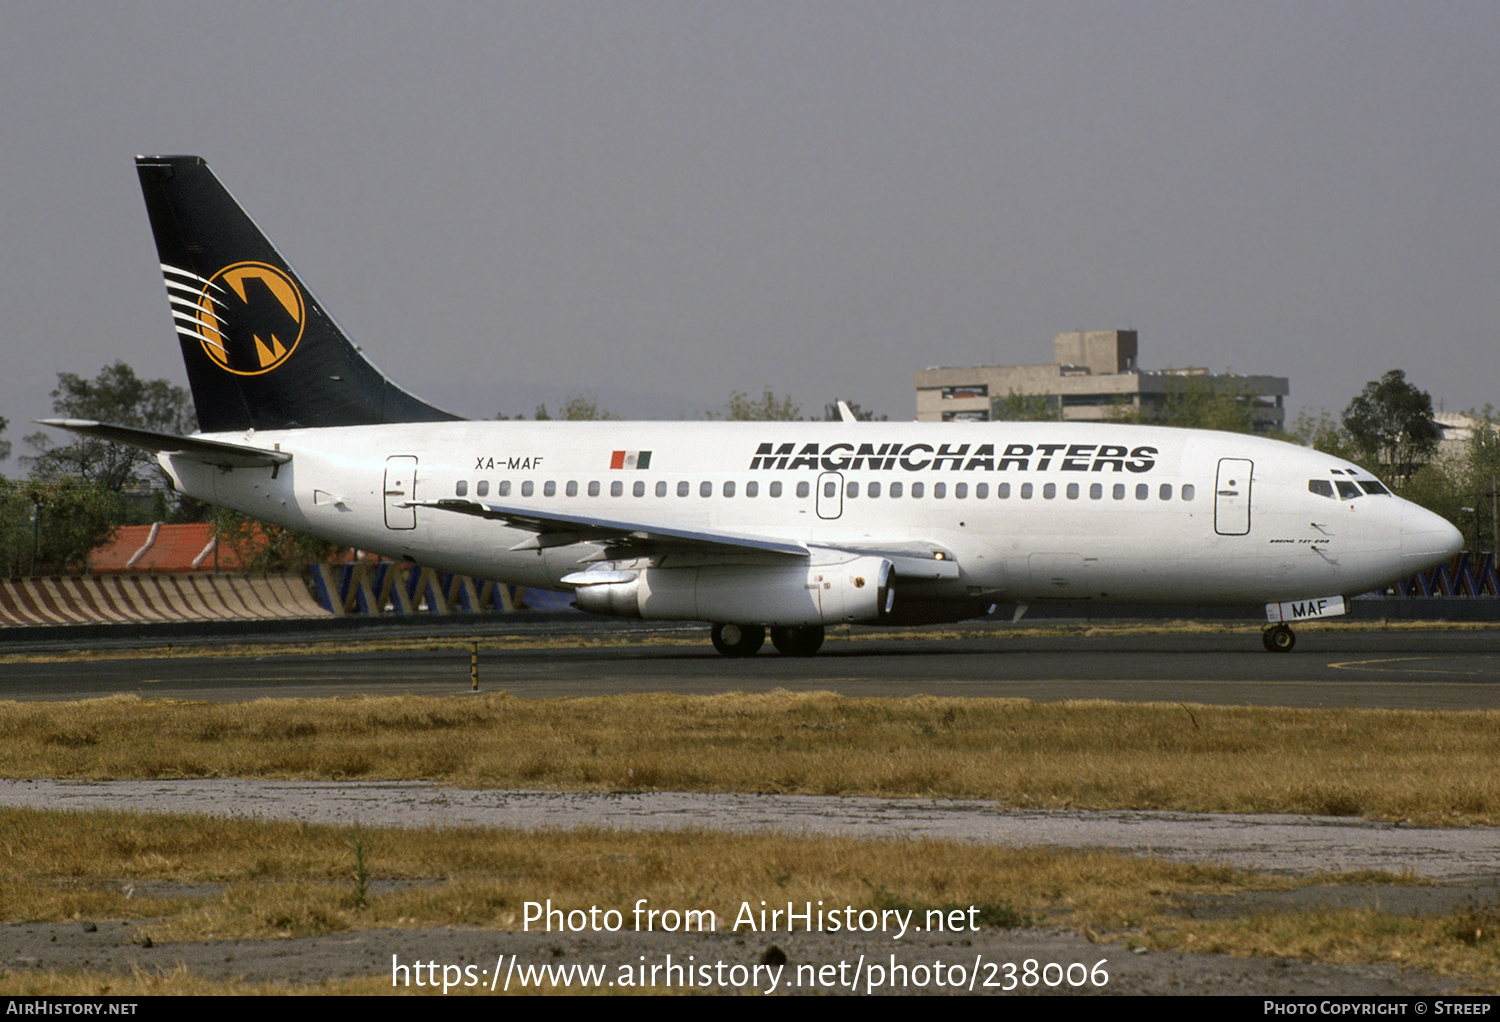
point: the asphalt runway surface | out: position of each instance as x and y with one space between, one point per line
1455 669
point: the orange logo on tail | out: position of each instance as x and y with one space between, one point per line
250 318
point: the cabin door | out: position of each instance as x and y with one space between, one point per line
400 487
1232 497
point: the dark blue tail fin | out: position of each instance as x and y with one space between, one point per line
261 352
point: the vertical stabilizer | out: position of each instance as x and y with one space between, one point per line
261 352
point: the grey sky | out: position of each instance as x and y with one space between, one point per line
657 203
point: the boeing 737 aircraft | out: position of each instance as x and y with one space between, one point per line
786 526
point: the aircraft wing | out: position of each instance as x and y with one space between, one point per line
210 452
558 529
913 559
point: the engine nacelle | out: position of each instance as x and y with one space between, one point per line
770 594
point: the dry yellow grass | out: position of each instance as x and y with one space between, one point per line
1425 766
268 880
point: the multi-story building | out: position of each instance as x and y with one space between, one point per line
1094 375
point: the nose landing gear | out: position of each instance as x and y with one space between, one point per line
1279 639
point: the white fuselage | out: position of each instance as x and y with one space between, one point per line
1027 511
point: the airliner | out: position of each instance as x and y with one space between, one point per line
786 527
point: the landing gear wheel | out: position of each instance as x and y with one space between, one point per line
738 640
1279 639
800 641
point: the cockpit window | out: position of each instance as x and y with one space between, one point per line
1322 487
1347 490
1374 487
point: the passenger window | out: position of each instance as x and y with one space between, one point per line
1166 491
594 488
1142 491
482 488
617 488
705 489
981 490
1096 491
572 487
728 489
1188 491
776 488
803 489
1003 491
752 489
939 490
504 488
462 489
896 489
1049 491
874 490
661 488
1072 491
639 489
684 488
1025 491
528 488
917 489
851 489
830 489
1118 492
960 491
549 488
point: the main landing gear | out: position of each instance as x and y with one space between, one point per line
1279 639
802 641
738 640
746 640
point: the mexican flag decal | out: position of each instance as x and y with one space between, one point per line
630 459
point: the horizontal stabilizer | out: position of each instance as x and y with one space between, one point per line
210 452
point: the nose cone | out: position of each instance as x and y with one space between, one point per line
1426 539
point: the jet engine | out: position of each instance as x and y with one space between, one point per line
774 594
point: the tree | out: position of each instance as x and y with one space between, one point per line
1015 407
1390 425
741 407
583 409
1192 402
50 528
4 444
262 546
115 396
1324 434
